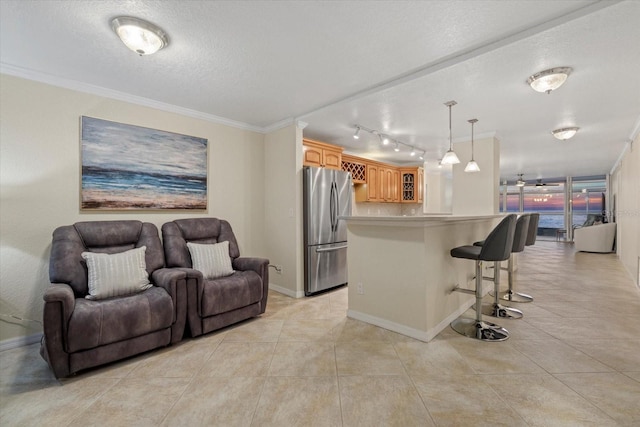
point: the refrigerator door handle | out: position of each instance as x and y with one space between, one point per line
335 248
332 206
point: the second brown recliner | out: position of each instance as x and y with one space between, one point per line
223 298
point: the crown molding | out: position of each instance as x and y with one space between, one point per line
27 74
278 125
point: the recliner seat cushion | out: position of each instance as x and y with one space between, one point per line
96 323
224 294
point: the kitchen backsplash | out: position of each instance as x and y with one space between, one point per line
386 209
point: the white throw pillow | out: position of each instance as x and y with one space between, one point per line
212 260
112 275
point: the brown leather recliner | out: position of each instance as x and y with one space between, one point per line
215 303
80 333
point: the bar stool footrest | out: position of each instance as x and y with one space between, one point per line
501 311
516 297
480 330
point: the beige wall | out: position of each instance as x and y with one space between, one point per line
477 193
283 209
625 188
40 173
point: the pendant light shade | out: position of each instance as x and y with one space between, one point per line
450 158
472 166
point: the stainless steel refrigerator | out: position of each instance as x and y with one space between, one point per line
326 197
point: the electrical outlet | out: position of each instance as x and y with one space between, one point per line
360 288
279 269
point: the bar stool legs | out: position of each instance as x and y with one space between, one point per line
496 309
510 294
477 328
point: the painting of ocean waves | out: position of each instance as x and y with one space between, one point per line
131 167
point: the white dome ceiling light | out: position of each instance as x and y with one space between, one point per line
142 37
565 133
548 80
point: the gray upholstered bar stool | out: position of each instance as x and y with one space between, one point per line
496 309
519 241
532 232
497 247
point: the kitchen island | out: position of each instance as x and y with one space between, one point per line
401 274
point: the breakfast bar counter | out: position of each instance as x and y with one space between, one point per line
401 274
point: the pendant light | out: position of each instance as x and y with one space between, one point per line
472 166
450 157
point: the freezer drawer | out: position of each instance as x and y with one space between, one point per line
325 267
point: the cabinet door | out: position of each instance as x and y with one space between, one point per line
395 185
420 186
312 156
332 159
373 184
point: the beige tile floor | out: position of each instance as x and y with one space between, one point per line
573 360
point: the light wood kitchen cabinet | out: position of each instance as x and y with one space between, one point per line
411 185
322 155
357 167
370 192
389 184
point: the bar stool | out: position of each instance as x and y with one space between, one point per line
519 242
497 247
496 309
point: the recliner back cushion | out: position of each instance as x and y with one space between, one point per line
176 234
66 264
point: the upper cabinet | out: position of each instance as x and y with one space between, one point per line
373 181
322 155
357 167
411 185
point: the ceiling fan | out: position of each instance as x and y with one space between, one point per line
539 183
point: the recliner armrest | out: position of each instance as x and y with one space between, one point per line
62 293
259 265
167 278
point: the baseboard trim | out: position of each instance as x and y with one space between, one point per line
425 336
286 291
20 341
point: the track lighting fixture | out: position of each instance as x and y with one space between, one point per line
386 140
472 166
520 182
450 158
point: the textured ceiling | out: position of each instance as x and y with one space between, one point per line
383 64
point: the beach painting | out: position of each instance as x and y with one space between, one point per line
133 167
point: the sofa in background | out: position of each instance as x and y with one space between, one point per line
212 303
81 333
595 238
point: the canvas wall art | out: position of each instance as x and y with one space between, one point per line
133 167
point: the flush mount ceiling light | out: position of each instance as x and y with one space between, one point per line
548 80
565 133
450 157
140 36
472 166
520 182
